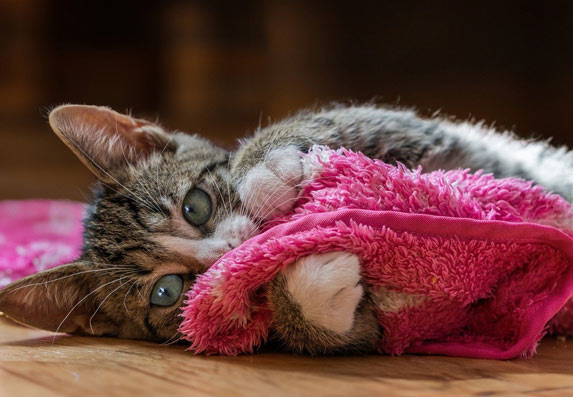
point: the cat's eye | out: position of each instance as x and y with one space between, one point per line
167 290
197 207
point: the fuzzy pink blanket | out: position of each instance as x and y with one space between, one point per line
36 235
461 264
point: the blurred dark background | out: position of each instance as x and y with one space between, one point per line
219 68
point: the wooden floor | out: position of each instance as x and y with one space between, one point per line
35 363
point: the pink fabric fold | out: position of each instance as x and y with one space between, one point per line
460 264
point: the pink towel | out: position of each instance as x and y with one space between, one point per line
36 235
475 266
461 264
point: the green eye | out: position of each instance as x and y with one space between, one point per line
167 290
197 207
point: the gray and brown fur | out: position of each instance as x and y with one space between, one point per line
106 291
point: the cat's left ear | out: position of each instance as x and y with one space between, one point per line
60 299
106 141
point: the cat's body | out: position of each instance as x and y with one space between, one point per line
171 204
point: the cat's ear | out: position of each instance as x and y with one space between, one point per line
107 141
59 299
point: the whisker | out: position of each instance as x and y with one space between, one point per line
274 200
138 291
129 196
103 301
271 210
64 277
228 186
299 185
176 338
108 174
79 303
127 293
153 202
227 211
164 191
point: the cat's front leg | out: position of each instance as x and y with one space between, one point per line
319 306
271 187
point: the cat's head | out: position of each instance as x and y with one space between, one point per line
164 210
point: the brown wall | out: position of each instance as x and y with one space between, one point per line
218 68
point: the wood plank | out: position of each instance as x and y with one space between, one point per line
34 362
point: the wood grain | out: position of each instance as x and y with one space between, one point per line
37 363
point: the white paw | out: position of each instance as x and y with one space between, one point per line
235 230
327 289
271 188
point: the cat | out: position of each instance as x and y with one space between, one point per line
168 205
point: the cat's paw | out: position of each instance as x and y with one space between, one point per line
271 188
326 288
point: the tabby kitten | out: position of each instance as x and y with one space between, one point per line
168 205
